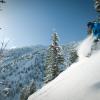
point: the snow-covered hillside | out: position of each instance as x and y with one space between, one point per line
18 68
21 66
81 81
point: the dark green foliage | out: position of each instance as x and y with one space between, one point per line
70 50
54 59
27 91
73 56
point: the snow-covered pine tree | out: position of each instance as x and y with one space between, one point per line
54 59
27 91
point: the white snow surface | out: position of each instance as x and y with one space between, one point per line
81 81
85 48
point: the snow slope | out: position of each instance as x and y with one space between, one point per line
81 81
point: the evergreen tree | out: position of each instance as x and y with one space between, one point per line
27 91
54 59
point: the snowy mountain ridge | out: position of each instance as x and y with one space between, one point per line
21 66
18 68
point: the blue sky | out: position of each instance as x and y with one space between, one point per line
31 22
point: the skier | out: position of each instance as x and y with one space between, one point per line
94 26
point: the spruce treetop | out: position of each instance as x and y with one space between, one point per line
55 39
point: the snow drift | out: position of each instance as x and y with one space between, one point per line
80 82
